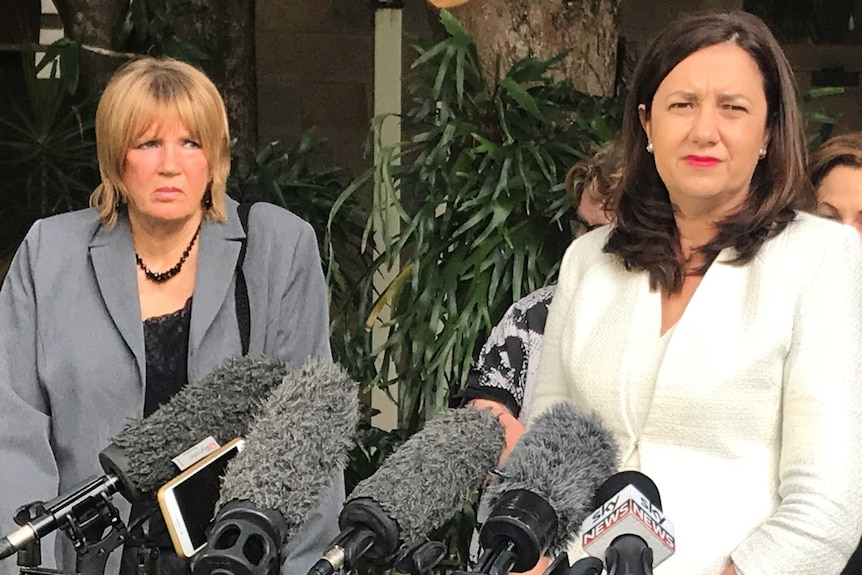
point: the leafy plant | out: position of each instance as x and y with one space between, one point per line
49 161
148 28
822 124
478 193
476 196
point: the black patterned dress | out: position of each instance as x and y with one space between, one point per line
507 366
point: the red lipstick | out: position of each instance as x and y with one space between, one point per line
701 161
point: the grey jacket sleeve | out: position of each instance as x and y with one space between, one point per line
28 469
301 329
318 532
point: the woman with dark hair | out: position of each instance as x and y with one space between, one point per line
836 172
716 330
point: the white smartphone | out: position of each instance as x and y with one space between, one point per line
188 500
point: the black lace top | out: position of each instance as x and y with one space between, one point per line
166 343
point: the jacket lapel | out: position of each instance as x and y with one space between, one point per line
692 348
112 256
217 254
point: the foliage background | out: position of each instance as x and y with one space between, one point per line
476 190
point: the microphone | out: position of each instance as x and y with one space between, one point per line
628 529
138 461
583 566
547 489
417 488
298 442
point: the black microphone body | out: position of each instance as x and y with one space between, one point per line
300 440
417 488
246 540
583 566
628 529
629 555
548 485
519 528
353 543
138 461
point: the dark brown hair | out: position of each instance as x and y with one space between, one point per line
603 168
646 236
844 150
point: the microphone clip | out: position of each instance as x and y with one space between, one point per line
30 555
420 558
84 524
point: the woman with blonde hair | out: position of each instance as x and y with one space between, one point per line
109 311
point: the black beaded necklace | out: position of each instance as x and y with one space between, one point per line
165 276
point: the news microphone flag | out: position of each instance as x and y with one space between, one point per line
628 512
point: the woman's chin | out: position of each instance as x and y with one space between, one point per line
166 215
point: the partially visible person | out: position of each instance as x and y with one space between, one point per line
108 311
715 329
506 366
503 375
836 173
835 170
591 184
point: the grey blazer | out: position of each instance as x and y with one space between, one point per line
72 363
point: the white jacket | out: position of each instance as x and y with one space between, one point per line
755 428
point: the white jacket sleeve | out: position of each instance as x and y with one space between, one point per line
552 384
819 519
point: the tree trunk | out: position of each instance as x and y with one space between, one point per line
94 23
506 31
225 32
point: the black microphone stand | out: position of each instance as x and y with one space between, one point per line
496 561
86 531
367 532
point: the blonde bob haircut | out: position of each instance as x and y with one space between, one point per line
142 93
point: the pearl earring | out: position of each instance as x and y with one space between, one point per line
762 152
650 148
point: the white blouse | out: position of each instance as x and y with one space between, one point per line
648 349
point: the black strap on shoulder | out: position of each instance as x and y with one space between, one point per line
243 310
